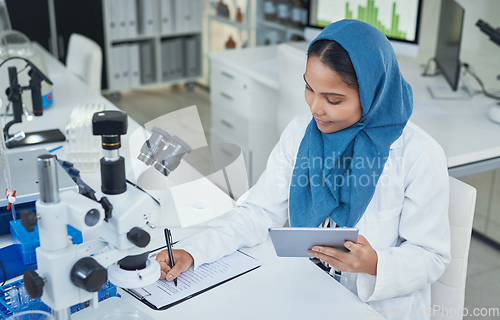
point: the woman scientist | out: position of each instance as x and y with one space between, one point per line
356 162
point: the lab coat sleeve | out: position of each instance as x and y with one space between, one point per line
266 206
424 232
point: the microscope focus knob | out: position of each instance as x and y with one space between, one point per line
33 284
28 219
88 274
139 237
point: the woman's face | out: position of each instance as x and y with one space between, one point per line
334 105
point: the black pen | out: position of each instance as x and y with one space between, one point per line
168 238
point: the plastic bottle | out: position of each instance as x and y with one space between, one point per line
305 13
284 12
299 13
270 10
218 8
239 16
230 44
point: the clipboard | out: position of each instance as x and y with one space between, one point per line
239 264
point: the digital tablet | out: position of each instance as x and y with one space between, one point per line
294 242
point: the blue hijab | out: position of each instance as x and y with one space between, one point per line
335 174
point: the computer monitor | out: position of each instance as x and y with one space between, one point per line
448 41
399 20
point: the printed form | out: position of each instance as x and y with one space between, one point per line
163 294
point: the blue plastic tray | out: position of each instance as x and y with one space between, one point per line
23 302
27 242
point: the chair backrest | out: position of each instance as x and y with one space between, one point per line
84 59
448 293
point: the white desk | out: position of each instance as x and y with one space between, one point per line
470 140
69 91
282 288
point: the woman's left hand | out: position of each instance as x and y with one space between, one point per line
361 258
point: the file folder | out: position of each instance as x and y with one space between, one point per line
125 65
167 17
131 18
115 72
147 60
145 17
179 56
112 19
166 63
135 71
122 31
192 54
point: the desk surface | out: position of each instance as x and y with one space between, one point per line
282 288
259 63
69 92
289 288
461 127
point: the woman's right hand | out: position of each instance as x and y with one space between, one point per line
182 262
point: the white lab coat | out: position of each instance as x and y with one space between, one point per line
406 221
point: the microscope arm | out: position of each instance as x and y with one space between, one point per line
494 34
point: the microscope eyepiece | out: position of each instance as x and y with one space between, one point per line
163 151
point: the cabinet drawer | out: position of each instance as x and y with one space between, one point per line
232 126
223 99
227 78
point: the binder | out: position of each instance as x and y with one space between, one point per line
197 19
131 18
147 62
135 67
167 17
178 52
122 31
124 65
112 20
115 72
181 13
191 52
166 64
145 17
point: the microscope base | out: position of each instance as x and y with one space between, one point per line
135 278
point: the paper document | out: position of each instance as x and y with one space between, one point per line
164 294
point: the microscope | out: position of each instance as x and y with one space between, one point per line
14 95
494 36
125 219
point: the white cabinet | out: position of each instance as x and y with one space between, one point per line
244 109
151 42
